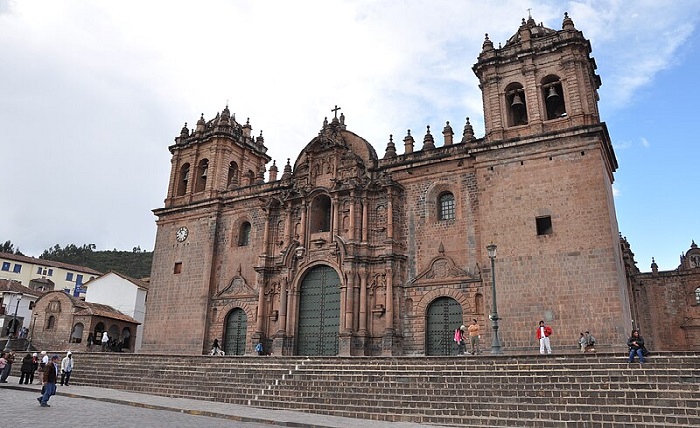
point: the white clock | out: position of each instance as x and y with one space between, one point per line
181 234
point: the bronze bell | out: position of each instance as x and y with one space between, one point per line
552 96
517 102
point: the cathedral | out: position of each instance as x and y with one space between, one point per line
354 253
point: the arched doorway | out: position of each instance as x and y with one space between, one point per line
77 335
443 317
236 327
319 312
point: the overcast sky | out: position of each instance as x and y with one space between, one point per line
92 93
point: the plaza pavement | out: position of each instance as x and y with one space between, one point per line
77 406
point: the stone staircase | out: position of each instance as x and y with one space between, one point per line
514 391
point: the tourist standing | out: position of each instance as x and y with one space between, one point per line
49 381
636 344
35 366
459 338
105 340
582 342
66 368
10 359
26 370
90 340
543 333
474 336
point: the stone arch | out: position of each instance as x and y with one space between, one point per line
200 182
183 179
516 104
553 97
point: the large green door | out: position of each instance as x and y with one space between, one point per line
319 312
236 326
444 316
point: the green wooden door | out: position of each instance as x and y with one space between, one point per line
444 316
319 312
236 326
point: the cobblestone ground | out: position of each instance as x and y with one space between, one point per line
20 409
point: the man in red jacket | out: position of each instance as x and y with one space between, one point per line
543 333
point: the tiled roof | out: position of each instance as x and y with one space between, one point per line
12 286
49 263
137 282
100 310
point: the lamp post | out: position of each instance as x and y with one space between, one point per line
31 334
14 324
496 343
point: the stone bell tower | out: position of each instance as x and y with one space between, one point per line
547 165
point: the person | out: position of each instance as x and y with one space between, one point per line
582 342
105 341
49 381
3 362
26 370
216 349
459 339
90 340
590 342
35 366
474 336
66 368
259 348
543 333
636 345
10 359
42 365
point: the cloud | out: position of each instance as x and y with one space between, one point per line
645 142
94 93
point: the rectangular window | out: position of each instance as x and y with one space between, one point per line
50 272
544 225
79 279
178 268
6 266
69 276
38 270
18 268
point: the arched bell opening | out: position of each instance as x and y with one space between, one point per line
553 95
516 104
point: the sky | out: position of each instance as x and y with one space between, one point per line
92 93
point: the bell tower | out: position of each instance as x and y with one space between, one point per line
540 81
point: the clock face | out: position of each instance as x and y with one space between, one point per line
181 234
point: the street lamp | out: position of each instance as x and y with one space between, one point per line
14 324
496 343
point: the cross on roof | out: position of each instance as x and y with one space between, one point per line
335 110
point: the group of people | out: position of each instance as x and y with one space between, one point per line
473 333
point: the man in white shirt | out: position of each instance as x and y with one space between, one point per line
66 368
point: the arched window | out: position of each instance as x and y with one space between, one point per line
201 178
697 295
516 104
232 180
250 176
446 206
77 335
320 214
184 179
553 95
244 234
51 323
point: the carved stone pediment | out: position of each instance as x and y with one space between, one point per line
237 287
443 269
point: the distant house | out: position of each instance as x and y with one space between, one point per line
41 274
63 322
17 299
127 295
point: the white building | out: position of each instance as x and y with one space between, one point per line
46 275
16 304
127 295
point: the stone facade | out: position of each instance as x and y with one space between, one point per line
348 253
666 304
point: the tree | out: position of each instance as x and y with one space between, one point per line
8 247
